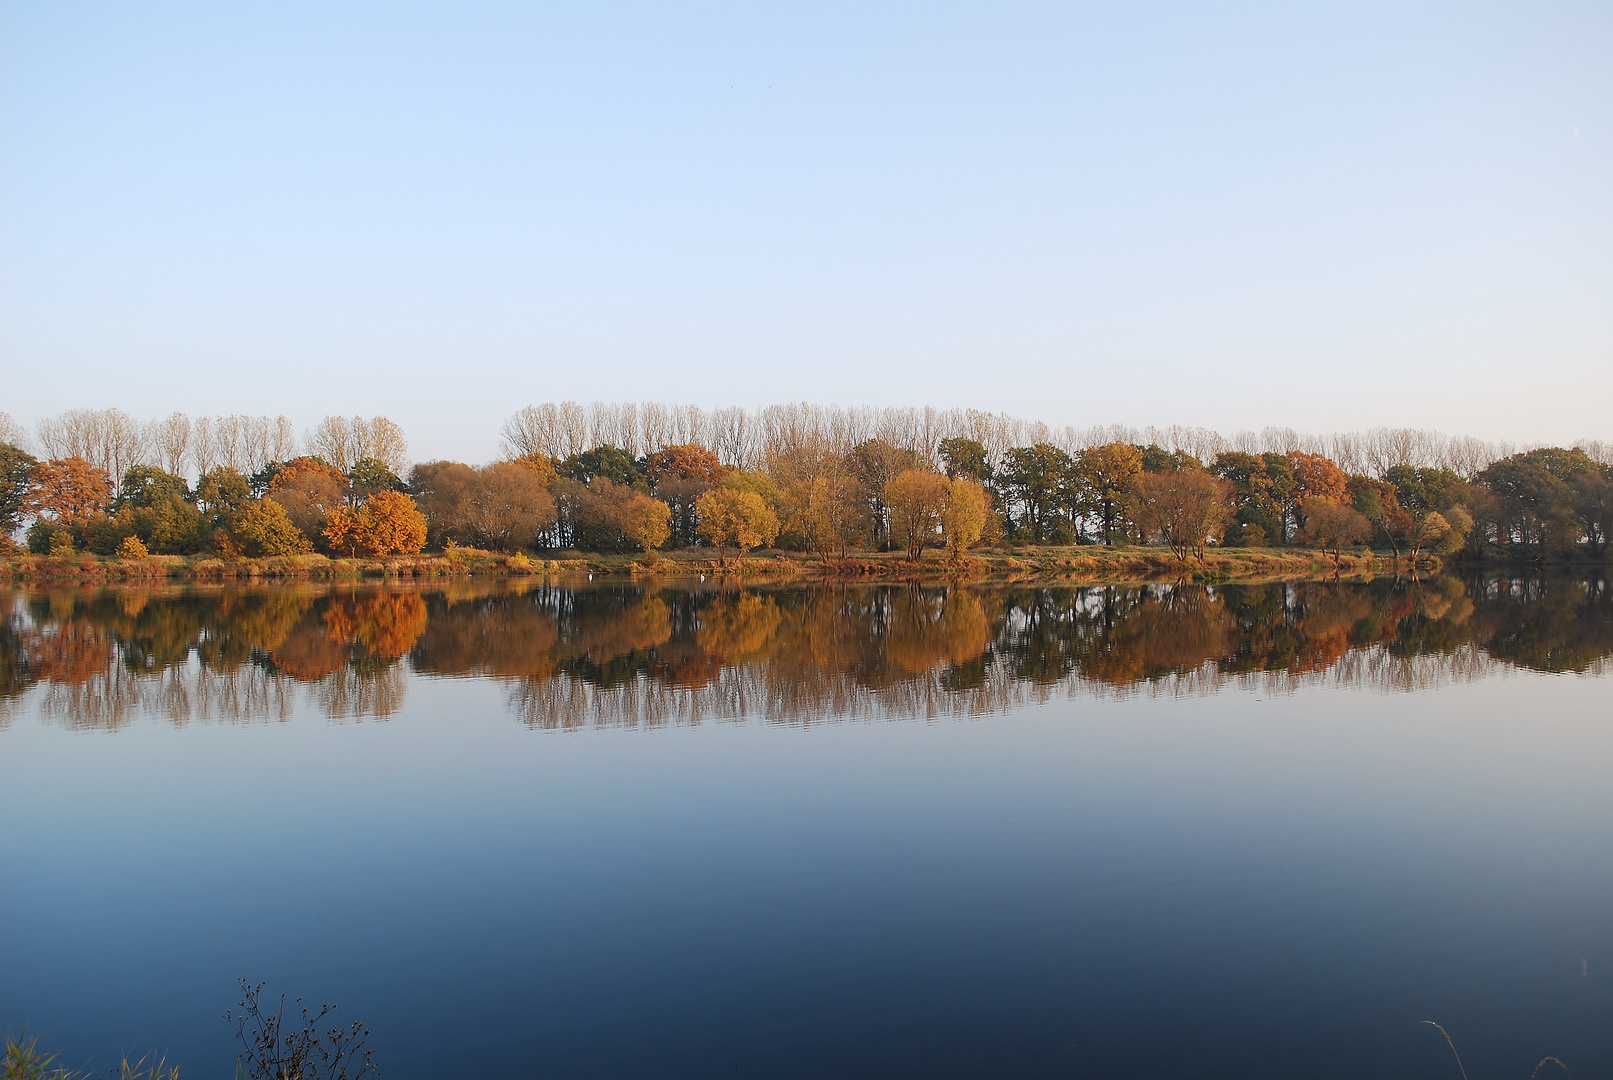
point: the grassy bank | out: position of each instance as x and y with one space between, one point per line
1067 564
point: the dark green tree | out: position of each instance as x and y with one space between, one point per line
966 457
368 476
148 486
611 462
16 477
1037 479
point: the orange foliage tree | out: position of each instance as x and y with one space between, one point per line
70 490
387 524
309 490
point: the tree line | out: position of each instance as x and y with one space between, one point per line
826 480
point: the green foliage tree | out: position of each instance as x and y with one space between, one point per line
16 480
147 487
966 457
221 492
1156 459
1535 498
369 476
611 462
1262 487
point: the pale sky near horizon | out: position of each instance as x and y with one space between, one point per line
1319 216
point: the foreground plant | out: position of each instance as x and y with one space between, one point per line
273 1051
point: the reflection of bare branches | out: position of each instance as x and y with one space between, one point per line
108 700
350 692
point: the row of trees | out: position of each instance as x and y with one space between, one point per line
809 490
114 442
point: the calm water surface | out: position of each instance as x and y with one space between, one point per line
524 830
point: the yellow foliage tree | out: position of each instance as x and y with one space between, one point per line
132 548
964 517
915 500
648 521
733 517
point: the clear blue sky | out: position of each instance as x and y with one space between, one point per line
1317 215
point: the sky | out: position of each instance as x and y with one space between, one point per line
1327 217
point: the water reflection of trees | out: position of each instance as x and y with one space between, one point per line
652 657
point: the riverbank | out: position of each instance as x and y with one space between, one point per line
1061 564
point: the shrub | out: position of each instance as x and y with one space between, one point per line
132 548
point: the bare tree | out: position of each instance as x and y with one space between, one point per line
380 439
203 445
12 432
332 439
574 431
168 441
529 432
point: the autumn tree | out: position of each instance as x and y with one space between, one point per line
263 528
916 499
1315 476
388 523
965 515
309 490
1333 526
70 491
1184 508
1105 485
647 521
729 516
505 506
875 463
679 475
833 515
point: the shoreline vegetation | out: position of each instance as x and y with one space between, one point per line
785 491
1044 564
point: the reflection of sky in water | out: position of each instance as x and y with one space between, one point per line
1220 883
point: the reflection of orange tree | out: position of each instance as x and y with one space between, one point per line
736 628
926 630
386 624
